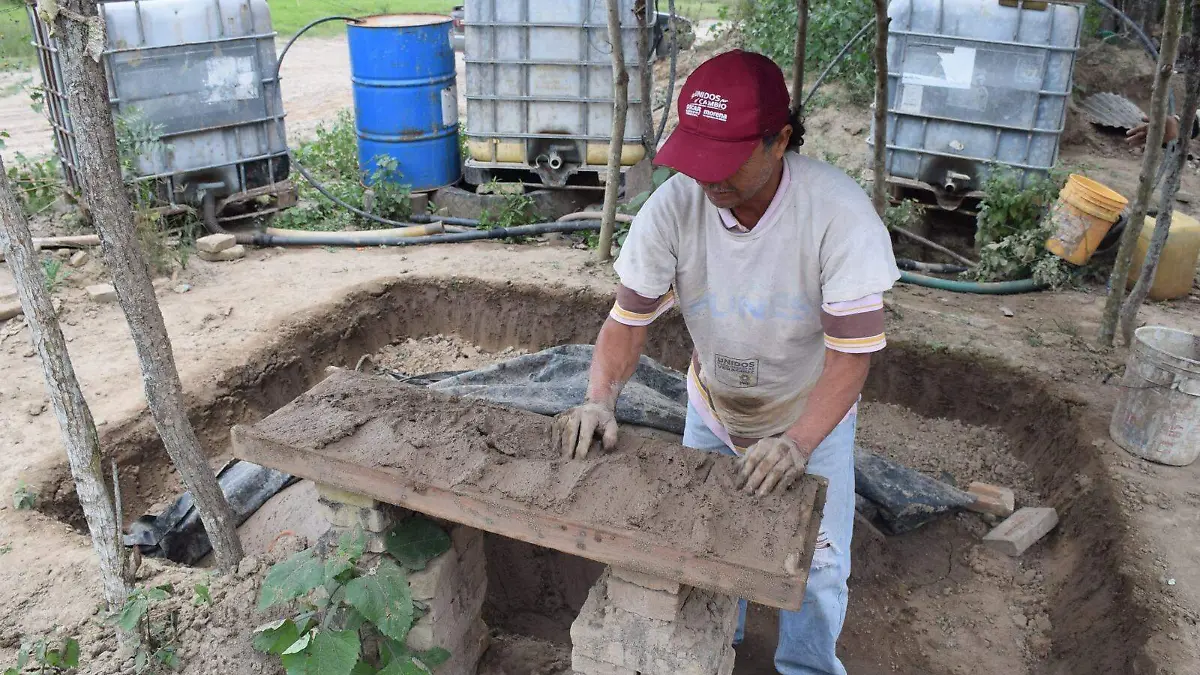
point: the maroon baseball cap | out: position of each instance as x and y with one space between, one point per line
726 107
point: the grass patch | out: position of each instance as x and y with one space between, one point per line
696 10
16 52
289 16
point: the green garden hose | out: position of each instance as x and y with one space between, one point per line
982 288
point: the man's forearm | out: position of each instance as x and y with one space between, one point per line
835 393
618 349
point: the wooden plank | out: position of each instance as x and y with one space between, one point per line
776 580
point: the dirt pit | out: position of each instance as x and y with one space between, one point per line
932 601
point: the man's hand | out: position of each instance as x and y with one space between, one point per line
575 429
772 464
1137 135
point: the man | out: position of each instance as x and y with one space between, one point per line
778 263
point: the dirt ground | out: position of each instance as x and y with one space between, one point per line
965 392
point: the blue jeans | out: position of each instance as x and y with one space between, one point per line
808 638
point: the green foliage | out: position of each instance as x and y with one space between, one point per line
24 497
16 52
46 658
201 596
56 273
339 604
156 629
416 541
289 16
333 158
1012 229
36 182
907 215
769 27
518 208
137 138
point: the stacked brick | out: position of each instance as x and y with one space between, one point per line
451 589
636 624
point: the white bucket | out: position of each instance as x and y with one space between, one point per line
1158 414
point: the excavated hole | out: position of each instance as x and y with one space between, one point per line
932 601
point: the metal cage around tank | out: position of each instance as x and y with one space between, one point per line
975 84
201 75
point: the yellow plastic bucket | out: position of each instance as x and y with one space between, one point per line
1082 215
1177 266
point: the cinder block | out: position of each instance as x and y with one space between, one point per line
695 643
349 517
582 665
647 580
102 292
1021 530
993 499
233 253
215 243
644 601
340 496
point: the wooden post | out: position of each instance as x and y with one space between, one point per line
879 187
646 80
106 195
617 144
798 59
1190 65
1172 24
66 398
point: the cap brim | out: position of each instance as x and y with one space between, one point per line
702 158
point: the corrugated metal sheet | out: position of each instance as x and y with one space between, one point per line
1112 110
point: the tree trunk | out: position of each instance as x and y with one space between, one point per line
104 192
879 187
1173 18
617 144
1190 65
798 59
646 80
74 418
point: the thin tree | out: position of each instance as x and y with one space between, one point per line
66 398
1172 24
798 59
1189 63
617 143
879 187
80 40
646 79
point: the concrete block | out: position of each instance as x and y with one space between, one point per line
582 665
215 243
349 517
79 258
440 576
102 293
644 601
993 499
340 496
234 253
461 537
465 655
647 580
419 202
695 643
1021 530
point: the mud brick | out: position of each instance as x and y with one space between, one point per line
647 580
461 537
215 243
696 642
449 615
441 577
329 493
465 655
582 665
102 293
233 253
350 517
644 601
993 499
1021 530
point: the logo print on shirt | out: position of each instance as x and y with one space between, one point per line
708 106
740 373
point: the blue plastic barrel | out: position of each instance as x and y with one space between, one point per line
405 99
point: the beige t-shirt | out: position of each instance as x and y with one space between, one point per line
752 301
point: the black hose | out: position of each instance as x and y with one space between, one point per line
367 239
836 60
930 268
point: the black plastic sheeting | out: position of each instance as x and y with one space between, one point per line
549 382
